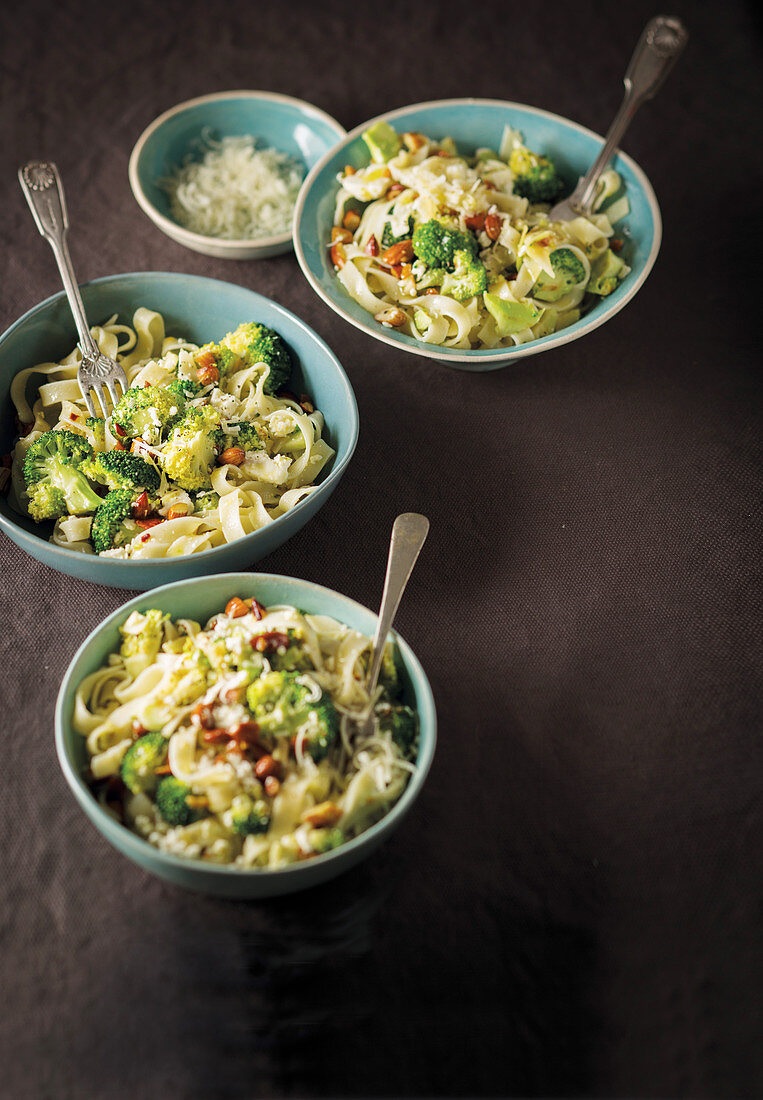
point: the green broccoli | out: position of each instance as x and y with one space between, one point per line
468 277
436 243
388 237
142 637
172 801
324 840
255 343
189 454
382 141
139 763
401 722
606 273
242 433
185 388
124 470
535 176
321 729
282 706
248 816
205 500
112 524
149 411
97 426
54 478
295 657
569 271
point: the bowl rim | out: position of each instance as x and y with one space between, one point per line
173 228
497 356
335 472
119 835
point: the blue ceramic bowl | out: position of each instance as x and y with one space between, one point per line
198 309
278 121
473 123
199 599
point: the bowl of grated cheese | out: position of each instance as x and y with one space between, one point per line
220 174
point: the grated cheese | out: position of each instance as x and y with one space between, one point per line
236 191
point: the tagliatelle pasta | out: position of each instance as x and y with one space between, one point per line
246 488
461 251
243 741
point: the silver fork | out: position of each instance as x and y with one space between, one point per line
408 534
661 42
44 192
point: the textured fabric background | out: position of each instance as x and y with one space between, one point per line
573 906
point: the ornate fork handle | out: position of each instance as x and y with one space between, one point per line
41 185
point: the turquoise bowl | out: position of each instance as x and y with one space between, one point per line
199 599
198 309
473 123
281 122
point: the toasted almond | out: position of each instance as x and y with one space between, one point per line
399 253
351 220
340 234
177 511
338 255
325 813
208 375
413 141
235 608
231 456
391 317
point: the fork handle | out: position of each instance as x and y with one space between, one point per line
44 192
659 47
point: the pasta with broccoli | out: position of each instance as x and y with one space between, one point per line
206 446
241 742
460 251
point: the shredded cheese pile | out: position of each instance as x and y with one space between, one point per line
236 191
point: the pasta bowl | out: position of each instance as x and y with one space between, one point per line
475 123
200 598
291 126
198 309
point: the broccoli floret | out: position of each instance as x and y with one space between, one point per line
468 277
185 388
254 343
324 840
139 763
569 271
248 816
142 637
400 721
282 706
205 500
124 470
54 479
436 243
320 730
606 272
294 658
148 411
112 524
190 451
97 426
239 434
388 237
171 801
535 176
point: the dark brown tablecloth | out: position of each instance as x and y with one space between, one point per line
573 906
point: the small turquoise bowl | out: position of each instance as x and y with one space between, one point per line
473 123
199 599
199 310
277 121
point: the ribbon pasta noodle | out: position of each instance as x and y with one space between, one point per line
243 742
241 497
